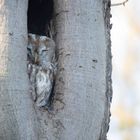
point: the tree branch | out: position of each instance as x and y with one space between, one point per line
121 3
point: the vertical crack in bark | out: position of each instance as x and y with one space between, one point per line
41 52
107 114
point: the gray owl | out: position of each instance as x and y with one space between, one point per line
41 68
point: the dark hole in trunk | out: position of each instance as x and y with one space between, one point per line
39 15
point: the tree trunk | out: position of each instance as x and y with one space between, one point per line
17 119
80 108
83 84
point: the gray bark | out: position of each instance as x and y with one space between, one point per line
80 109
83 84
17 116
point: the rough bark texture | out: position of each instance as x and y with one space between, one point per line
83 85
17 119
108 26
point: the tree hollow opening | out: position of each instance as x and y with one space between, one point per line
41 55
39 16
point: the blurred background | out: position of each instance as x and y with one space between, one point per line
125 35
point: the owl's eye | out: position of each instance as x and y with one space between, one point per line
45 50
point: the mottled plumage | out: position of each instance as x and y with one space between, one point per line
41 67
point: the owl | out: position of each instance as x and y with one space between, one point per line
41 68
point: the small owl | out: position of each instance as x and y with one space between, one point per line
41 68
